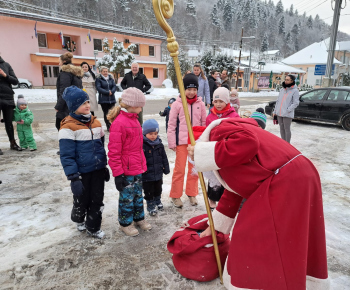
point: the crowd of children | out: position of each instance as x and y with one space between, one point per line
136 155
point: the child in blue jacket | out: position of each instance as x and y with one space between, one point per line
84 161
157 165
166 113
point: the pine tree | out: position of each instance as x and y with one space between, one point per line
246 11
253 19
214 16
295 30
185 65
296 44
221 4
228 16
291 10
279 8
190 8
105 46
207 61
118 58
309 22
265 43
288 38
281 25
296 13
223 62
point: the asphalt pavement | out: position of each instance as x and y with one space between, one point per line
45 112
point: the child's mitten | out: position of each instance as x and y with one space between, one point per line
75 184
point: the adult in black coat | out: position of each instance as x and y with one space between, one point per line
106 87
137 80
7 102
212 85
70 75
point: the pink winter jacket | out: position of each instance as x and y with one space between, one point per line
126 145
177 132
231 113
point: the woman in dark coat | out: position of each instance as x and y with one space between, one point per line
106 88
70 75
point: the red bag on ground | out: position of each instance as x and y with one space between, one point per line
194 257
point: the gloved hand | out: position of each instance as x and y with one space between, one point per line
2 121
120 182
20 122
161 113
107 176
75 184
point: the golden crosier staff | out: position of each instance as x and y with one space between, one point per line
165 9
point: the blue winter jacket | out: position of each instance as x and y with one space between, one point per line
103 87
157 161
81 147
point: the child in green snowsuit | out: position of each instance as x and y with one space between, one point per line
24 119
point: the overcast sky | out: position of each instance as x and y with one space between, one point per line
323 8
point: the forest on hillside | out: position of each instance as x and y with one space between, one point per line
198 23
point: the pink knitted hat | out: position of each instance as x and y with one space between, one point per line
222 94
133 97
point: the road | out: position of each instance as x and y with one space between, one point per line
44 112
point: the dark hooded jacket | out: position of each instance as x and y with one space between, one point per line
70 75
140 82
6 92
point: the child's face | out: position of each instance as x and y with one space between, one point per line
84 109
219 104
191 93
170 105
22 106
135 110
152 136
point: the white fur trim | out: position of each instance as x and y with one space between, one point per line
313 283
206 134
222 223
204 156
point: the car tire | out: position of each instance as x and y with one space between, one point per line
23 86
345 122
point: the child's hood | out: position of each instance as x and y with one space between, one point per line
70 119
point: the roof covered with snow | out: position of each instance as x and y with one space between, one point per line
275 67
271 52
344 45
315 53
234 53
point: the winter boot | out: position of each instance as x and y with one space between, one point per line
159 203
130 230
81 227
143 225
99 234
193 200
14 146
177 202
151 207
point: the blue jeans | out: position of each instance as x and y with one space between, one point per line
131 201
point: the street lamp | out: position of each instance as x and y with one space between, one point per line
250 58
95 55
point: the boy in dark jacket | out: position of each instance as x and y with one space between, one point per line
157 164
84 161
166 112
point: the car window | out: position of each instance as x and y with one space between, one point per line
337 96
347 99
314 95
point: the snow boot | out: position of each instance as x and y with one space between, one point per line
144 225
81 227
159 203
99 234
14 146
177 202
130 230
151 207
193 200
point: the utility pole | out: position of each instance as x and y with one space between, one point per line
333 40
239 59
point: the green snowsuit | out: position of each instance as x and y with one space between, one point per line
25 133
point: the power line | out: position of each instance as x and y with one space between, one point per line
317 6
308 4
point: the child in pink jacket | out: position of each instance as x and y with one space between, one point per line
127 160
177 140
222 109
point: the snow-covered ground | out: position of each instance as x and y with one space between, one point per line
50 95
41 249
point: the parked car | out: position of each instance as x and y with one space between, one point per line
329 105
120 89
23 84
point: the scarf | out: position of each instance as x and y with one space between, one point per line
87 74
191 101
216 112
289 85
81 118
150 142
106 78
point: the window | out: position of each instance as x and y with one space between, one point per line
155 73
141 70
98 44
151 50
318 82
314 96
42 40
337 96
137 49
56 71
45 71
66 39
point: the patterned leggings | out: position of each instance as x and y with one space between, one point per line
131 201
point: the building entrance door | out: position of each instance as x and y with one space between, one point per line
50 73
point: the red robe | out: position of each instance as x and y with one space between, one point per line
278 240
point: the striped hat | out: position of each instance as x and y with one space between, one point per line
260 118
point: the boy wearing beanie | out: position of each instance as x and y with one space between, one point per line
24 119
84 161
157 165
260 117
166 112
